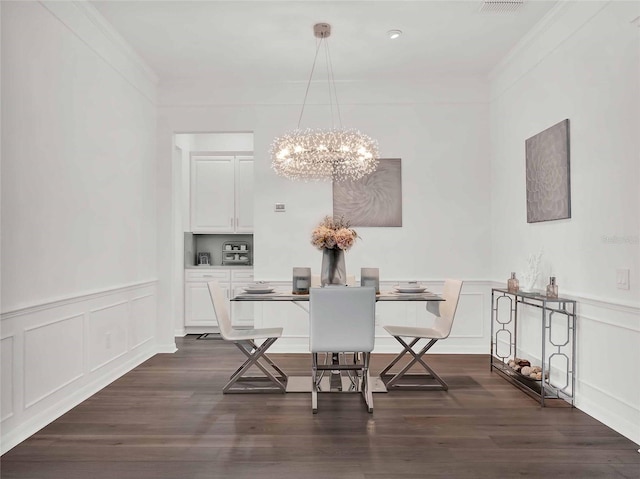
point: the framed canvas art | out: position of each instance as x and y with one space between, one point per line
375 200
547 170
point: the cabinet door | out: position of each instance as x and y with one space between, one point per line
198 308
242 311
212 194
244 194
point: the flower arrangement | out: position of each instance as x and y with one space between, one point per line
333 233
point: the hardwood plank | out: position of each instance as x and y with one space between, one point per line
169 419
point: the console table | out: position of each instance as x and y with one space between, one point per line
557 347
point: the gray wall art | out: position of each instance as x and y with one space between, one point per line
375 200
548 182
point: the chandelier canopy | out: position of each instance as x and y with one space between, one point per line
336 154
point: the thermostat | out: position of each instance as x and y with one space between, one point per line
279 208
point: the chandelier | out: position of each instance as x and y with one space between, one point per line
336 154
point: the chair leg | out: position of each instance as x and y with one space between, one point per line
253 359
314 383
417 358
366 383
270 362
406 349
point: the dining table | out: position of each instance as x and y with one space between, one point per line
336 382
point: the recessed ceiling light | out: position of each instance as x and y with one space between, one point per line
393 34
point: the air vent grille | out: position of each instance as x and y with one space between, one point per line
501 6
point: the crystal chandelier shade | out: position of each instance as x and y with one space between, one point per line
335 154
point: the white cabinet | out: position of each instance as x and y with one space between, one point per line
242 312
244 194
221 194
198 308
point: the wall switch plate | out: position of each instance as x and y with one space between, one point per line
622 279
279 208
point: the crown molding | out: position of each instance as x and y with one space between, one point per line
86 22
535 47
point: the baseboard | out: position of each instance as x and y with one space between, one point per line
604 407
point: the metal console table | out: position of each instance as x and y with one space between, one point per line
558 344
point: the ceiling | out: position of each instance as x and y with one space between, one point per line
222 42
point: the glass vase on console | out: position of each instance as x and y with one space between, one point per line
513 285
552 288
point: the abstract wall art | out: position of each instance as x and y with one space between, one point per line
547 170
375 200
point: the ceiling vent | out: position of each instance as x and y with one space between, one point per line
501 6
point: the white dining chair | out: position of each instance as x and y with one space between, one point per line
245 340
444 312
342 319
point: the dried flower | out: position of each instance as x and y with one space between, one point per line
333 233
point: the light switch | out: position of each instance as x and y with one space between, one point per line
622 279
279 208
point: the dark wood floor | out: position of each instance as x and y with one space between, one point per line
168 419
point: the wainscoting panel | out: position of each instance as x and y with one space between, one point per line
143 313
53 357
107 334
6 371
57 354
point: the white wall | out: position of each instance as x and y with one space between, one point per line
78 211
442 139
78 180
439 129
583 63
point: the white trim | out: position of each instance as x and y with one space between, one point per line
118 40
607 393
609 323
505 80
607 414
109 306
31 403
168 348
53 391
42 325
57 302
86 23
138 298
538 29
127 315
13 402
110 360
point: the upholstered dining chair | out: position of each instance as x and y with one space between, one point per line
245 340
342 319
444 312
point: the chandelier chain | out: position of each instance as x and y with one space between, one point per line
306 93
335 90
